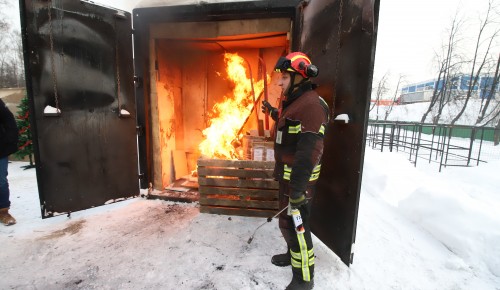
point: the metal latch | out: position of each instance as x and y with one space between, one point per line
139 130
137 82
343 117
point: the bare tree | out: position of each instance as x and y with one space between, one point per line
436 92
4 30
16 46
380 90
11 62
394 98
478 62
489 92
496 139
450 91
493 116
4 25
11 52
3 61
449 63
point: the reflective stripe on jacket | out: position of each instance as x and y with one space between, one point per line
298 145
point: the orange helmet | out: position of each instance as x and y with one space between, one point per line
297 62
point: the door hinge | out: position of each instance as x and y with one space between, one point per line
139 130
137 82
120 14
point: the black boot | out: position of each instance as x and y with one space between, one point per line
299 284
282 260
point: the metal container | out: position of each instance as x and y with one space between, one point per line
104 127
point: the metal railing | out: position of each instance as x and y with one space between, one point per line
440 143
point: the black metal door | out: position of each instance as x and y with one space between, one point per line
79 78
345 58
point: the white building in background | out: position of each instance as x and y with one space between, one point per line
422 91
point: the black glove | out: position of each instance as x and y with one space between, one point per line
268 109
297 199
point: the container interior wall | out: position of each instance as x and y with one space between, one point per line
189 75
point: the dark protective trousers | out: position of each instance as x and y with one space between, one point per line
4 183
299 245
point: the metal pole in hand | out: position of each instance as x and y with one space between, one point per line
268 220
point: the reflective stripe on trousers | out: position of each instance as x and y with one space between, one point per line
287 172
304 259
300 245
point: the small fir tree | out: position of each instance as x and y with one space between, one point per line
25 145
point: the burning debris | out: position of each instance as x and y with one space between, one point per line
230 116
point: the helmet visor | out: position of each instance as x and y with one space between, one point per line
283 64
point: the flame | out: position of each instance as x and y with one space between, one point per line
229 115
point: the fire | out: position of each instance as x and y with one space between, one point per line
229 115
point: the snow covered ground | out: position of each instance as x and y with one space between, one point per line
417 229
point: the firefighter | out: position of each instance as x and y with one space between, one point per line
298 143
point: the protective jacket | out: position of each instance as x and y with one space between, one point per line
9 133
298 145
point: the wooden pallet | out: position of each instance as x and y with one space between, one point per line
237 187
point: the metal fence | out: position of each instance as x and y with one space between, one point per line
444 144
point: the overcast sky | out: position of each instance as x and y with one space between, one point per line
409 32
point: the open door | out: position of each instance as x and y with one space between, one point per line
79 78
345 58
